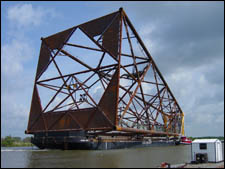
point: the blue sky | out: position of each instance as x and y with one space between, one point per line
186 39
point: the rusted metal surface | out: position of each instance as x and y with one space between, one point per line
44 59
135 99
111 37
97 26
108 103
36 109
57 40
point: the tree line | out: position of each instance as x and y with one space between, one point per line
207 137
10 141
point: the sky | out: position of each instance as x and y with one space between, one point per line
186 40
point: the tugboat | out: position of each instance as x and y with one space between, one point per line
185 140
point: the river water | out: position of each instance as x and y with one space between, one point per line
135 157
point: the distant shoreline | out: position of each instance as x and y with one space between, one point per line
10 141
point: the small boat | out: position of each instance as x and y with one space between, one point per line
185 140
167 165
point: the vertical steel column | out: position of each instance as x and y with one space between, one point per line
119 63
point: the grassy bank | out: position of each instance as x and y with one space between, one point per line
18 144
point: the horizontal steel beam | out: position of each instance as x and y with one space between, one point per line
118 128
90 129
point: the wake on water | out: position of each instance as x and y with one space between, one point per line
15 149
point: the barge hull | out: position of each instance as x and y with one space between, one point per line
81 142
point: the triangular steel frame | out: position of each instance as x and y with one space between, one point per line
117 109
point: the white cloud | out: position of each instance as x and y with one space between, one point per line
27 15
147 29
14 54
147 88
199 99
16 108
147 32
97 89
17 55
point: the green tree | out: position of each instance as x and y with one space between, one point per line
17 139
27 140
7 142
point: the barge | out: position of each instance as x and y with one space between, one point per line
82 141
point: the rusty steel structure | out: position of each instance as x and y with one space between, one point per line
114 87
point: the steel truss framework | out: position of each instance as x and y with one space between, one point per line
134 97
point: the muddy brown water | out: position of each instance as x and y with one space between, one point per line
24 157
